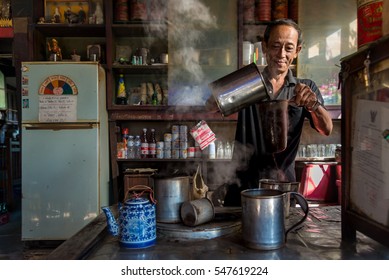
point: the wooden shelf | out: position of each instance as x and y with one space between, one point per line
139 29
70 30
165 113
140 69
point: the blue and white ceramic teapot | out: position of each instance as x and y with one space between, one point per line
136 225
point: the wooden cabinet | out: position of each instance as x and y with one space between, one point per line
365 182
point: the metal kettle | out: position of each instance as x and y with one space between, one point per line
136 225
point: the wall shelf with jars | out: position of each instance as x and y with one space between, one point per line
182 48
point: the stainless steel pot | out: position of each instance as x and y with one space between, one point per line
170 192
239 89
263 223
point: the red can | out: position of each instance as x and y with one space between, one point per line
369 18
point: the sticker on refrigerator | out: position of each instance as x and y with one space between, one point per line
26 103
58 100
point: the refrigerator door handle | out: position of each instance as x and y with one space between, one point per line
57 126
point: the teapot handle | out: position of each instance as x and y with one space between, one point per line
138 191
304 206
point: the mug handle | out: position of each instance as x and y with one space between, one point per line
304 206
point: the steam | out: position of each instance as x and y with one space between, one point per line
226 173
187 22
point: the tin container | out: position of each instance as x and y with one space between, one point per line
170 192
167 153
369 19
197 212
167 137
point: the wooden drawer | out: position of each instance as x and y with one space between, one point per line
131 180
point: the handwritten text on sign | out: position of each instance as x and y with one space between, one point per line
57 108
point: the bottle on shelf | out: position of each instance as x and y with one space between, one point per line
220 150
121 97
137 147
131 147
125 135
152 144
154 98
144 147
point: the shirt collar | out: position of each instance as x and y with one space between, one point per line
289 79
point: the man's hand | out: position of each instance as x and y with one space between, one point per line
305 97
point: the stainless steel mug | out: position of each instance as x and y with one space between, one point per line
285 187
239 89
197 212
263 222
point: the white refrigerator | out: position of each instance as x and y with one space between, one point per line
65 149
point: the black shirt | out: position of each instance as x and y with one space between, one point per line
255 162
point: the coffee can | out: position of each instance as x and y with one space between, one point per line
167 145
167 153
183 153
167 137
160 153
191 152
160 145
175 153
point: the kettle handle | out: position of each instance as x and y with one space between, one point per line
304 206
139 190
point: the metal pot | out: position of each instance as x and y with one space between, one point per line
263 222
239 89
170 192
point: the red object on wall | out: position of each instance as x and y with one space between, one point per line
318 182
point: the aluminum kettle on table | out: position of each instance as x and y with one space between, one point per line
263 221
136 225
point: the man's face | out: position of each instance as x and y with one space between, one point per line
281 49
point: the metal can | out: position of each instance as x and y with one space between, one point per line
175 136
176 144
183 153
191 152
167 137
167 153
167 145
176 129
160 153
369 19
160 145
175 153
183 145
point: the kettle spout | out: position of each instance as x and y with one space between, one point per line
113 226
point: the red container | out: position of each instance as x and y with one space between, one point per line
264 10
369 18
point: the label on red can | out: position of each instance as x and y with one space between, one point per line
369 18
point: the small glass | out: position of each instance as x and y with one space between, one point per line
219 150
